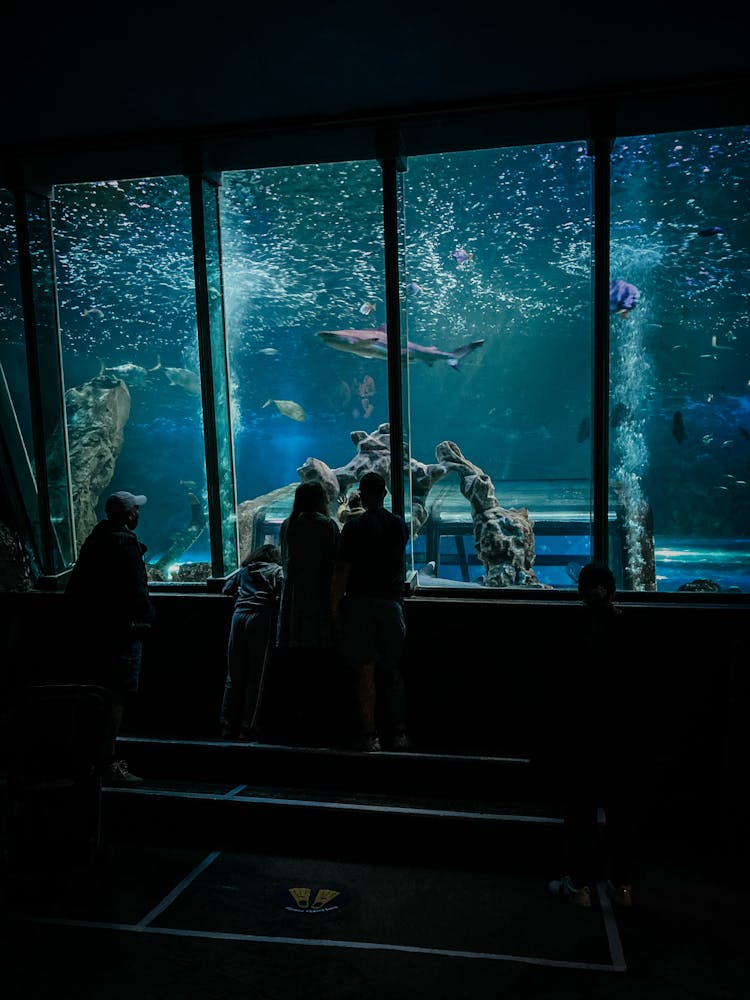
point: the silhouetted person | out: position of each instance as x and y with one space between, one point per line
256 588
112 611
595 755
350 506
306 637
367 601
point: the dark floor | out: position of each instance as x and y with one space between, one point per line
156 922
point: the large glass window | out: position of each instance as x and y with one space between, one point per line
126 292
305 311
494 291
497 295
12 342
680 358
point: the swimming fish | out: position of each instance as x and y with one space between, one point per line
288 408
711 231
367 307
622 297
270 352
678 428
130 372
185 379
461 256
413 289
618 415
93 311
374 344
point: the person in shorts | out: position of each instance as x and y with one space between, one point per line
367 604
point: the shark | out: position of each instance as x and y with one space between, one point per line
374 344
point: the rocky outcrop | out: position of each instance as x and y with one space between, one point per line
97 413
503 537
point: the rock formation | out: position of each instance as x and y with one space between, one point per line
97 413
504 538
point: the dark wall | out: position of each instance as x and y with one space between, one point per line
477 676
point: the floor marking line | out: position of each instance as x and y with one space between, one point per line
237 790
610 925
349 806
178 889
322 943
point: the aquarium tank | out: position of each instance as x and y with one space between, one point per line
218 342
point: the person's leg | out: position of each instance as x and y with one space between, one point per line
361 652
256 647
391 629
229 714
365 687
124 684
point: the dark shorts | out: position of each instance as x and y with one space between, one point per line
373 631
125 667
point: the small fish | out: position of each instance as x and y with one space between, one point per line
726 444
129 372
707 439
270 352
413 289
288 408
622 297
184 379
711 231
619 415
92 312
678 428
367 307
461 256
584 430
719 347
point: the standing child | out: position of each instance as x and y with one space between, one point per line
256 587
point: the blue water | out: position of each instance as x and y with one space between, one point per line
496 247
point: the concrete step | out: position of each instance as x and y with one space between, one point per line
332 802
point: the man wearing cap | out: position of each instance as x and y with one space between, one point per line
112 611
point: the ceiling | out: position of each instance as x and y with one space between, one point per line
95 74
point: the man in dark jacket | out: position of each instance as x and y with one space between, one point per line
111 612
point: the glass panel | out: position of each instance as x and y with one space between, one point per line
130 349
219 449
48 413
498 309
303 253
680 360
12 342
17 455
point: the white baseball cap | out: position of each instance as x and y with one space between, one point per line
122 502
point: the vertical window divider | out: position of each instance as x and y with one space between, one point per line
212 353
602 146
56 530
392 163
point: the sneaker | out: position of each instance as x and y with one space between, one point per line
250 735
370 744
117 774
401 742
565 889
621 895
